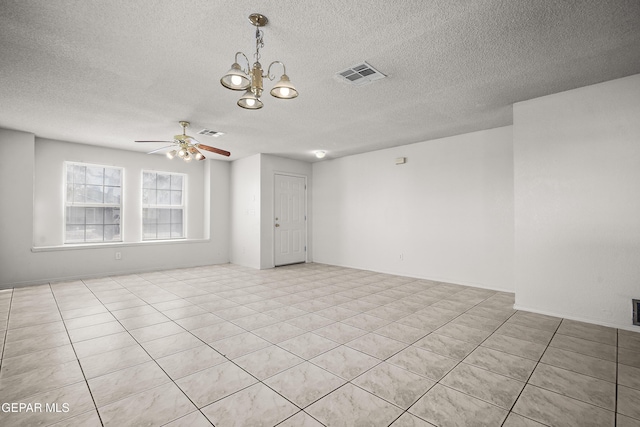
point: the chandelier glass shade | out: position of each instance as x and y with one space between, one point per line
250 78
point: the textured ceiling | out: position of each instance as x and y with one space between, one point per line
110 72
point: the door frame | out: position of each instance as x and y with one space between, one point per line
273 215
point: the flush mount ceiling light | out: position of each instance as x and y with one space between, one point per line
320 154
250 79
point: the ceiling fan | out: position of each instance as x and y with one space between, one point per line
187 147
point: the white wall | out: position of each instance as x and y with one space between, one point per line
32 249
577 202
245 212
270 165
16 206
448 211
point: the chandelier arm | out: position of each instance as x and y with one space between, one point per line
269 76
246 59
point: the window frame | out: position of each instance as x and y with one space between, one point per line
71 203
159 206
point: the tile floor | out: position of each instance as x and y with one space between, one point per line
305 345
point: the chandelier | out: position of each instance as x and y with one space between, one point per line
250 79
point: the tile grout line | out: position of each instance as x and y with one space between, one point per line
76 354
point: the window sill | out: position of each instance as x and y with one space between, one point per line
83 246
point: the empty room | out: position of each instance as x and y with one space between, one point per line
307 214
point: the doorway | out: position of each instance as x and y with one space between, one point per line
290 219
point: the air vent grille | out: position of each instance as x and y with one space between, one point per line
209 132
360 74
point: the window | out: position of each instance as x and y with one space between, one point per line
93 204
162 205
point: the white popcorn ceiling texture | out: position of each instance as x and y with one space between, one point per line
108 73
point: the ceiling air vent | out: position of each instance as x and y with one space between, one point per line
209 132
360 74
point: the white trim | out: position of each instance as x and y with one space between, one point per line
82 246
629 327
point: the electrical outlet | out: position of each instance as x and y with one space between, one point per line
401 257
118 255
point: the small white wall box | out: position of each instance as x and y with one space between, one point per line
401 160
636 312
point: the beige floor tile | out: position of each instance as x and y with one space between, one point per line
578 386
304 384
31 345
580 363
172 344
514 346
629 402
629 340
443 406
103 344
194 419
485 385
88 419
501 363
515 420
257 406
588 331
84 321
423 362
209 385
463 333
183 312
153 332
136 311
308 345
217 331
446 346
629 376
145 320
239 345
187 362
624 421
30 332
582 346
278 332
409 420
345 362
76 396
534 320
376 345
300 419
525 333
27 362
95 331
267 362
125 382
394 384
40 380
84 310
401 332
629 357
156 406
340 332
366 322
198 321
114 360
552 408
478 322
350 406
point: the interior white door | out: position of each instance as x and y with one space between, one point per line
290 219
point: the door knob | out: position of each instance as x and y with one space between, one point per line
277 225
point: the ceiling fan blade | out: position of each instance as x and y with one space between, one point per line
160 149
153 141
214 150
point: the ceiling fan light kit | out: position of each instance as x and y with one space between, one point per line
188 148
250 78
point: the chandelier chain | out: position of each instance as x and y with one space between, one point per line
259 43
